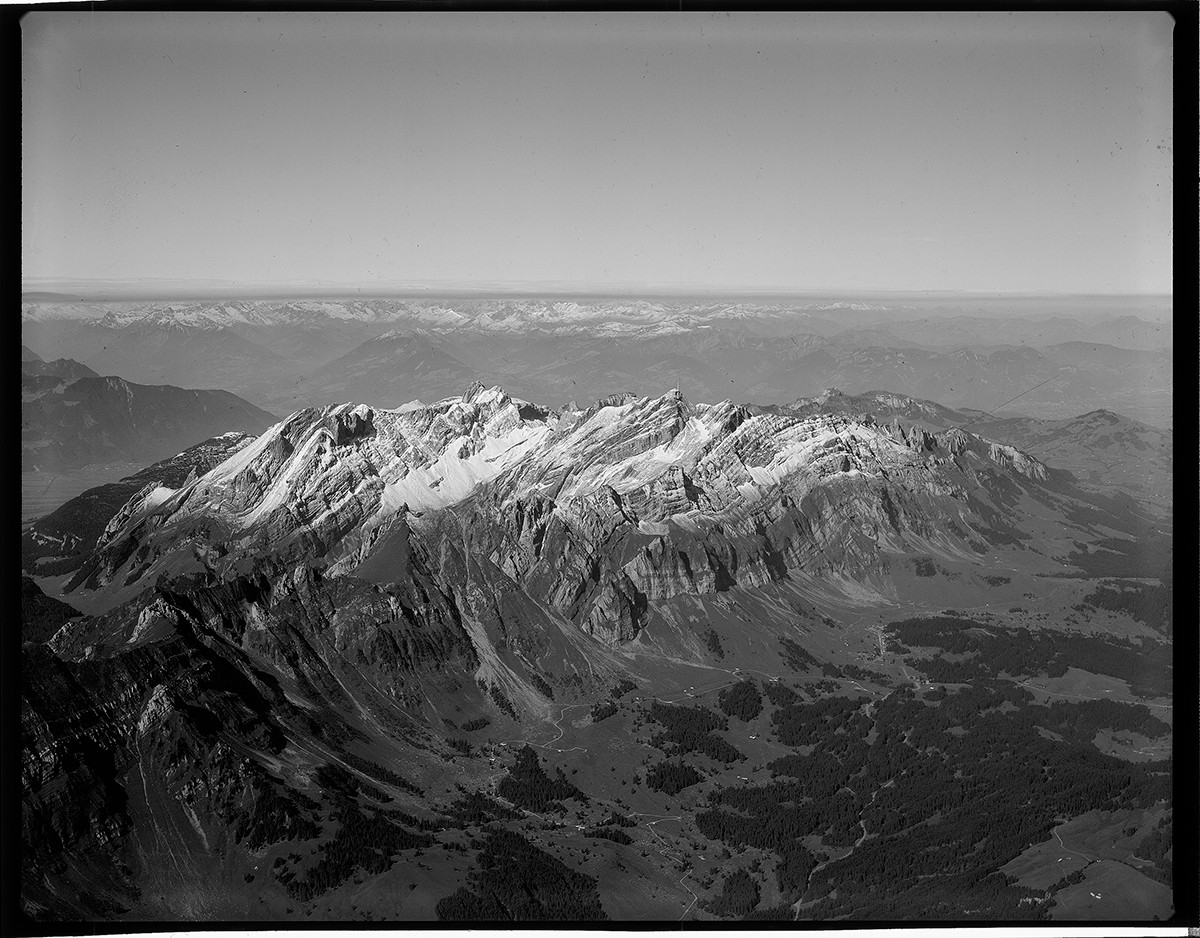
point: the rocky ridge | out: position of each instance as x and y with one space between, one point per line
594 513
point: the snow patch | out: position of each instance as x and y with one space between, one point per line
155 498
239 461
450 478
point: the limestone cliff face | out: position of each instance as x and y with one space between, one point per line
592 513
316 485
719 497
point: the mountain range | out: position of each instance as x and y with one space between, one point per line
399 367
72 417
559 645
293 354
652 481
280 631
1100 447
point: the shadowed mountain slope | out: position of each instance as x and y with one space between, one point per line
96 419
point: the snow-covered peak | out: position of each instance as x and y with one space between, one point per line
364 460
332 479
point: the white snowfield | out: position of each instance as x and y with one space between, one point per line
451 478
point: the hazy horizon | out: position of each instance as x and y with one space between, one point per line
745 152
166 288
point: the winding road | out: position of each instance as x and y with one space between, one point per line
557 724
665 849
1066 849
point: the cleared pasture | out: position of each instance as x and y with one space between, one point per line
1114 891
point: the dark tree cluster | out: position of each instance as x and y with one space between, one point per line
621 688
1081 720
776 826
602 711
542 685
339 783
500 700
817 777
672 777
739 895
514 881
690 729
478 723
460 745
924 567
275 815
528 786
947 792
615 834
941 671
776 913
741 701
362 843
796 658
366 840
477 809
780 694
1148 556
379 773
694 719
1145 665
421 824
1073 878
806 724
1150 604
1154 847
713 640
856 673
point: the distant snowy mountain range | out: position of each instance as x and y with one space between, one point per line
283 355
497 315
880 324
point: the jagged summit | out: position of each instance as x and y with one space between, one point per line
475 389
329 483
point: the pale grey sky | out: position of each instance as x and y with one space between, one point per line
963 151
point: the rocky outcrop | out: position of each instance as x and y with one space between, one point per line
153 736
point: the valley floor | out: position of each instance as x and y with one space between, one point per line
42 492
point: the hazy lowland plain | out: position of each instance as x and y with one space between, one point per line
712 608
